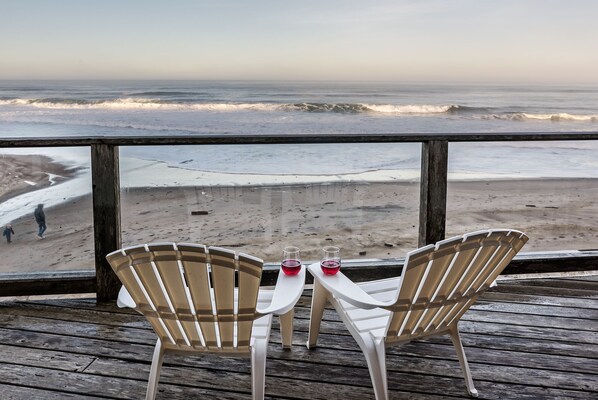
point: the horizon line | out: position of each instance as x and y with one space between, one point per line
279 80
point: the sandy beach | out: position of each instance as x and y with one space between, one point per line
375 220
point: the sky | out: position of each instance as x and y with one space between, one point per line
489 41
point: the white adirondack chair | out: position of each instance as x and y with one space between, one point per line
438 285
200 299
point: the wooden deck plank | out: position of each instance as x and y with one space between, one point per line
74 314
540 300
572 284
44 358
521 288
100 386
524 340
587 278
13 392
535 309
543 321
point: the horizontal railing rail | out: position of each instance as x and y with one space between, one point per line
432 213
84 281
293 139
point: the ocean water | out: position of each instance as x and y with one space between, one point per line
144 108
156 107
63 108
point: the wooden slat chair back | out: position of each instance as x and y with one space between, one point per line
440 282
187 293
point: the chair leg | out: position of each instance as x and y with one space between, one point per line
258 368
286 329
152 385
456 338
375 356
318 301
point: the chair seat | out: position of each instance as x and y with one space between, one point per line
374 321
261 326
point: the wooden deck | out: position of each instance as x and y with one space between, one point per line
532 339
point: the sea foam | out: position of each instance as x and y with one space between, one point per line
138 103
556 117
409 108
561 116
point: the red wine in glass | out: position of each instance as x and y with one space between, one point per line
291 267
330 267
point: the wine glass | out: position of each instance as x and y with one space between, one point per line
291 260
331 260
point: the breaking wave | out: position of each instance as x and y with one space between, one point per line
352 108
131 103
137 104
556 117
142 103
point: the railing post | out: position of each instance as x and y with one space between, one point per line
105 177
432 200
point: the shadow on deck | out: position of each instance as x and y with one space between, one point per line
528 339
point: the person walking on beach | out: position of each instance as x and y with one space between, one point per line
40 218
8 232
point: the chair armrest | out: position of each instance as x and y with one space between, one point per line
287 292
343 288
124 299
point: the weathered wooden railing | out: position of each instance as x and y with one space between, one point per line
432 214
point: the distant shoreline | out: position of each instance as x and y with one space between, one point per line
74 182
27 173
